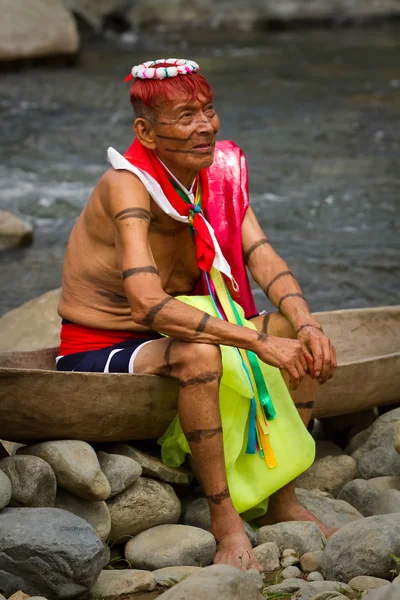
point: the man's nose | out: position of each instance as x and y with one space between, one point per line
204 124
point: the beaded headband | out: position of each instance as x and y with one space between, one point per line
149 69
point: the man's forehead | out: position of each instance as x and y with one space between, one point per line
181 102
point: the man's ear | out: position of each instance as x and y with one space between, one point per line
144 132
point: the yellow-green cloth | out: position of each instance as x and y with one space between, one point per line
250 481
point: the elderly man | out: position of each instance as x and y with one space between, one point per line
144 238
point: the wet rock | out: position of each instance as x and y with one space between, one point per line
26 328
113 584
43 28
197 514
387 502
310 590
152 466
121 471
32 480
144 504
268 556
169 576
14 231
315 576
377 456
364 582
291 573
311 561
76 467
335 513
290 586
171 546
361 547
361 494
48 552
302 536
95 513
217 582
5 490
328 474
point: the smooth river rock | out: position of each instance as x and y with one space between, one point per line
145 504
48 552
32 480
363 548
95 513
217 582
302 536
333 512
365 582
76 467
113 584
121 471
377 456
311 561
317 589
171 546
14 231
388 501
328 474
360 494
168 576
5 490
268 556
35 29
153 466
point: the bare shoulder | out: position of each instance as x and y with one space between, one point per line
119 188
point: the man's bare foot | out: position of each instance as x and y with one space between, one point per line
235 549
294 511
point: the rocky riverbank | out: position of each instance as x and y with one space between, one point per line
102 521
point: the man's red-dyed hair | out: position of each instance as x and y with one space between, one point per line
150 93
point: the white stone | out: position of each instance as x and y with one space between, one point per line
36 28
289 561
289 552
291 573
315 576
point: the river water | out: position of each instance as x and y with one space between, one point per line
317 113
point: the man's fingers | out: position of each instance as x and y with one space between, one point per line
327 361
334 359
294 377
318 356
304 362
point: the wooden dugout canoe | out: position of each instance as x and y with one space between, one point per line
37 402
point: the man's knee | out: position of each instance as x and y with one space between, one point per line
280 326
200 358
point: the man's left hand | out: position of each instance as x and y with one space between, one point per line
322 362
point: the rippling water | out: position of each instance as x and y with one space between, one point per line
317 113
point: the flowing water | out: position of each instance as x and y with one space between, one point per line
317 113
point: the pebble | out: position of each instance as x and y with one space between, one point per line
143 505
153 466
121 471
315 576
289 561
5 490
363 546
289 552
328 474
311 561
116 583
217 582
168 576
76 467
268 556
364 582
95 513
303 536
32 480
170 546
291 573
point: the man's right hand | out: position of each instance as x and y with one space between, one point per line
284 353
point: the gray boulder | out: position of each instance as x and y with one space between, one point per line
363 548
217 582
144 504
335 513
152 466
268 556
328 474
95 513
171 546
32 480
388 592
302 536
113 584
76 467
377 456
361 494
387 502
197 514
388 482
121 471
5 490
48 552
